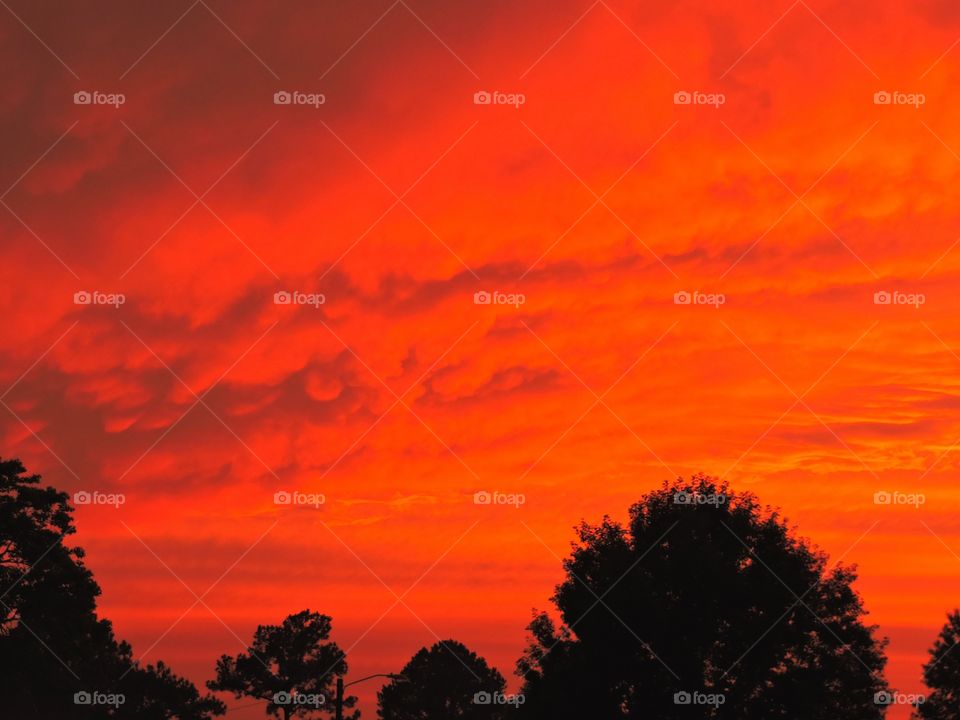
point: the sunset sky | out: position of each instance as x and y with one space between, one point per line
794 201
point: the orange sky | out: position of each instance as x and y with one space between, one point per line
398 198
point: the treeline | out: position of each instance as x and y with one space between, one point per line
703 605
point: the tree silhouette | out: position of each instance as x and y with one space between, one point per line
707 606
289 665
446 682
942 674
52 644
155 693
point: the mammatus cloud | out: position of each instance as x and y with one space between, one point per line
797 199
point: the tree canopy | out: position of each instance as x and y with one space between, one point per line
58 659
942 674
291 666
703 605
445 682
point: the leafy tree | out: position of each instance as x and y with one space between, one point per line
942 674
52 644
446 682
291 666
151 692
705 605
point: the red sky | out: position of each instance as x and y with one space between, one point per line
398 198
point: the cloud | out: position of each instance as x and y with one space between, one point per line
398 397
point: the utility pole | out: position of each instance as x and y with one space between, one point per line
339 698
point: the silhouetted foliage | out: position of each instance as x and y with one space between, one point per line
942 674
52 644
289 665
704 592
155 693
446 682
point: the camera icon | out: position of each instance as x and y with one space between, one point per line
882 97
282 497
482 297
82 298
282 698
882 698
82 698
482 698
482 97
882 297
682 298
82 497
882 498
482 498
682 98
682 698
682 498
282 297
282 97
82 98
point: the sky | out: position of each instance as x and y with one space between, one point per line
804 201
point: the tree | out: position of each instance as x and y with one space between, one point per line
705 605
53 646
288 665
942 674
446 682
151 692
